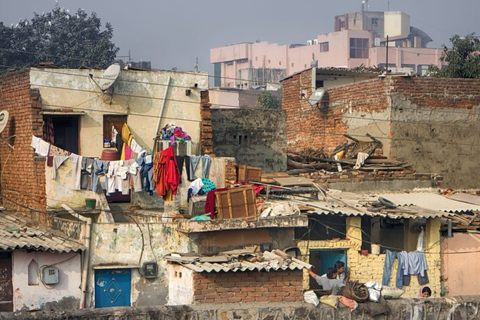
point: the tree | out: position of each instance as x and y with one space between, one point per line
463 59
266 100
66 40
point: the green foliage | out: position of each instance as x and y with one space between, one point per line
69 41
463 59
266 100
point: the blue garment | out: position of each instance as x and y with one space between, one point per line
387 268
100 168
206 166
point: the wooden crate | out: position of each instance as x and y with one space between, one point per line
246 173
236 203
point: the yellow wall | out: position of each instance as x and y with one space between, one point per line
370 267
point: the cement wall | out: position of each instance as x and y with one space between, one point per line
36 295
254 138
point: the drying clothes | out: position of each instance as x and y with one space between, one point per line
57 162
126 133
56 151
76 170
208 185
119 145
136 147
194 160
41 147
194 188
87 173
180 161
390 256
100 168
415 263
206 166
146 174
168 175
111 178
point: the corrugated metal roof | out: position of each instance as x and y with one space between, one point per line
268 261
15 233
409 205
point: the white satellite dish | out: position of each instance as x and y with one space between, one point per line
3 120
316 96
109 76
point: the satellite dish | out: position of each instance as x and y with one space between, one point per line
109 76
316 96
3 120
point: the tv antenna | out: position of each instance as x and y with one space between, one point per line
316 96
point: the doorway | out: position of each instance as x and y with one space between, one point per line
322 259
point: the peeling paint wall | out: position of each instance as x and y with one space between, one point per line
131 245
66 294
137 94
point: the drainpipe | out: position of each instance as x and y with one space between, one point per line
86 253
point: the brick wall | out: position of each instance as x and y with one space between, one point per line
23 173
323 126
206 142
249 286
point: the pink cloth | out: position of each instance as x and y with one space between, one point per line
128 152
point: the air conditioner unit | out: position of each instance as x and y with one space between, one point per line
50 275
150 270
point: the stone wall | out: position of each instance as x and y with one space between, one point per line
248 286
253 137
23 173
405 309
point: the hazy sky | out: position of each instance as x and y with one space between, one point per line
174 33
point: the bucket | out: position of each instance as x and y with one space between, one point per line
110 154
375 249
90 203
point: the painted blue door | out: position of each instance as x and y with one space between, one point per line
112 288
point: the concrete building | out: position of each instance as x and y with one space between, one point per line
359 39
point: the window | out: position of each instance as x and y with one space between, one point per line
358 48
374 20
324 46
321 227
62 131
342 24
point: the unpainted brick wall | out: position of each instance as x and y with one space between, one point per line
206 124
249 286
22 172
321 126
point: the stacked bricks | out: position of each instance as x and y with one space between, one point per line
354 176
23 173
206 124
248 286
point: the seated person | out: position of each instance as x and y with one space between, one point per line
339 266
425 292
330 282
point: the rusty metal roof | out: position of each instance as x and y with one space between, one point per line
411 205
239 261
15 233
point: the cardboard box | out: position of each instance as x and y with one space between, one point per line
236 203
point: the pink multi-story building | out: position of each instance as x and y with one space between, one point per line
359 39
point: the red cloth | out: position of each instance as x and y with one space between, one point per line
168 174
210 201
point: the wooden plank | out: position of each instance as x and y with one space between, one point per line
294 181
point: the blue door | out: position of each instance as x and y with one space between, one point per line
112 288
